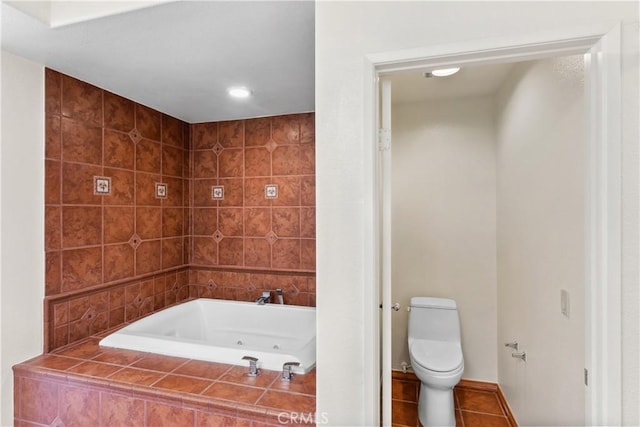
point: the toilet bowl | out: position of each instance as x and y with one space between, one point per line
436 357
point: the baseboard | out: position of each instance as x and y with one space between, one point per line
505 407
404 376
464 383
478 385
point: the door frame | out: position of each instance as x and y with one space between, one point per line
603 341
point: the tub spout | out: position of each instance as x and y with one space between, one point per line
265 298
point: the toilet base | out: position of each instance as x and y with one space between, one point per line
435 407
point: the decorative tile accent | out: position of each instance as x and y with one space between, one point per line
271 145
217 192
218 149
174 288
271 237
212 284
101 185
161 190
135 241
217 236
271 191
89 314
135 136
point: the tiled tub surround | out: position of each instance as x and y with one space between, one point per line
126 236
82 314
93 237
115 249
132 226
242 285
71 318
254 193
83 384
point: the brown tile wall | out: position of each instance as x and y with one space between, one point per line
246 229
96 239
111 258
94 242
72 318
297 288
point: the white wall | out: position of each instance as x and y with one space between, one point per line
345 33
541 238
21 219
444 221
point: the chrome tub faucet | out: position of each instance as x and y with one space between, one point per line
253 366
265 298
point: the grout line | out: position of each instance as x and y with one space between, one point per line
158 380
102 201
461 418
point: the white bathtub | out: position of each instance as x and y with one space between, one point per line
225 331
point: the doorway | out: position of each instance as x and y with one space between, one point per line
602 199
488 210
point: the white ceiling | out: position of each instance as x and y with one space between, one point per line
412 86
180 57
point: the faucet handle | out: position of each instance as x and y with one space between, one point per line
286 370
253 365
265 298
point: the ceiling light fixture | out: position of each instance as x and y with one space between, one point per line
239 92
443 72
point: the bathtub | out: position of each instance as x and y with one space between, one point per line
225 331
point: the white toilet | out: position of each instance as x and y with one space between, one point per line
436 357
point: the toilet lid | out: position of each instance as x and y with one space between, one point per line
439 356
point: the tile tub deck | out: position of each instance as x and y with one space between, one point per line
85 384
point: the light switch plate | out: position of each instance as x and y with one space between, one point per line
564 303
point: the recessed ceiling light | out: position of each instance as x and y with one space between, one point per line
239 92
444 72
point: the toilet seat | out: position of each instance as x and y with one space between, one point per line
437 356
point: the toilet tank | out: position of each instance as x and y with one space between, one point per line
434 319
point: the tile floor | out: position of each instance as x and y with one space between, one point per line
474 408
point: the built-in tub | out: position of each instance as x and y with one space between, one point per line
226 331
